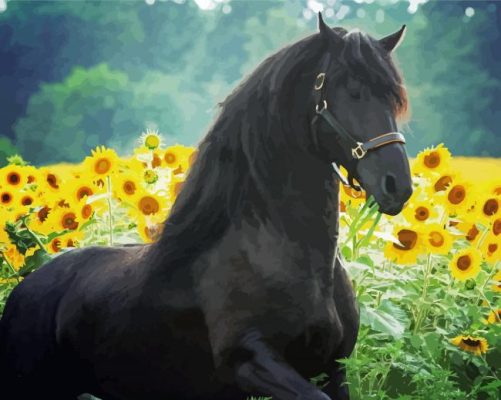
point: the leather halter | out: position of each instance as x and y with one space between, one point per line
358 149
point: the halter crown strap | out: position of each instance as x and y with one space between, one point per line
359 149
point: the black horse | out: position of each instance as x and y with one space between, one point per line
244 292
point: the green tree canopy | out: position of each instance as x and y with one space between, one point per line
91 107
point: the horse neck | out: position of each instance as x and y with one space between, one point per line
299 198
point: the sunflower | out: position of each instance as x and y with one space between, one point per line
150 139
102 162
13 176
8 198
466 264
475 345
494 317
419 212
39 221
471 231
437 239
488 207
54 246
64 218
491 247
83 186
459 197
435 159
177 158
126 186
51 180
149 203
408 247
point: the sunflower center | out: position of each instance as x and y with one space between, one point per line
156 162
129 187
170 158
464 262
70 243
148 205
52 181
6 198
457 194
84 191
43 214
56 245
472 233
152 141
422 213
436 239
31 179
471 342
14 178
432 160
496 227
491 207
442 183
86 211
491 248
407 238
68 221
102 166
26 200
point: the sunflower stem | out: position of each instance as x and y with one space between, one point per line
36 238
421 315
489 277
110 212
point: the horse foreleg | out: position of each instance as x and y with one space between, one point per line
268 374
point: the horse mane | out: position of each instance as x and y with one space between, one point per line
253 126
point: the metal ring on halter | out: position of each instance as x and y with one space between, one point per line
319 83
323 108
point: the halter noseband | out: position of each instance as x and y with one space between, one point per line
358 149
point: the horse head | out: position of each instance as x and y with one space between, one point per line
358 96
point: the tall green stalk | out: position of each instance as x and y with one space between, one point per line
110 211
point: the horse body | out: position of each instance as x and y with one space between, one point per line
140 335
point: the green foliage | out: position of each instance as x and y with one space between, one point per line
7 149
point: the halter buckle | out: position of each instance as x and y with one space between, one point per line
358 152
319 83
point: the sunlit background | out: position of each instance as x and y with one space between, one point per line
77 74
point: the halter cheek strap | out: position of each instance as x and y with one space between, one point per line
358 149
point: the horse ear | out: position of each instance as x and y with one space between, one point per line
391 42
326 32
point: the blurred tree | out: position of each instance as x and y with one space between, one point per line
6 149
91 107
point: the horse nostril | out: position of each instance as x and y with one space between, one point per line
389 184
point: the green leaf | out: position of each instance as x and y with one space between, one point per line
387 318
34 262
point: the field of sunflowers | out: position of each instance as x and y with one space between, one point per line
428 281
